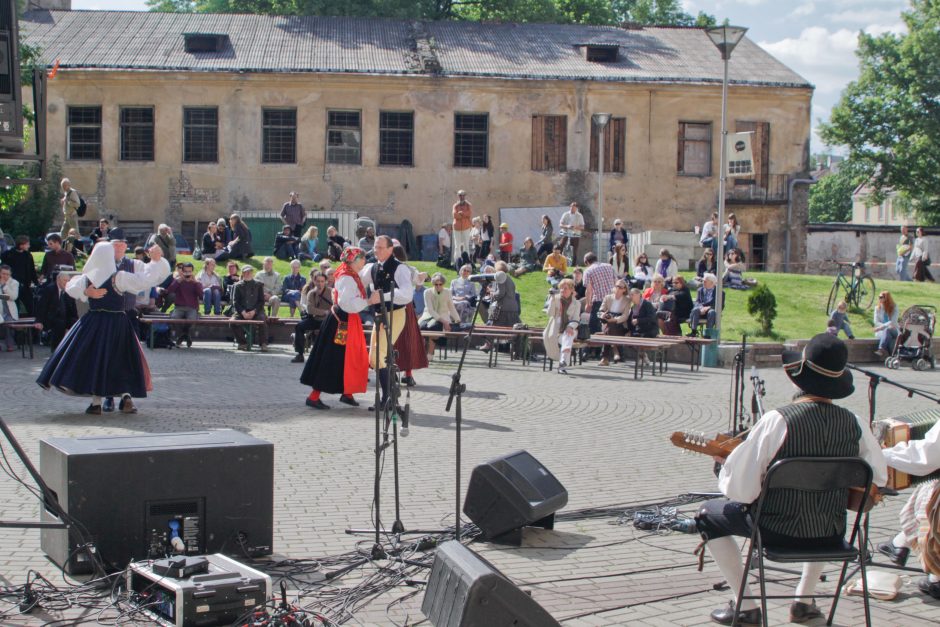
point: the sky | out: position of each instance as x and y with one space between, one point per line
816 38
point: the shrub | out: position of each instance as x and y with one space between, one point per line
763 304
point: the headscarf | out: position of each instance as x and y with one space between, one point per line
348 256
100 265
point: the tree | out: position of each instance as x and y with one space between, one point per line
762 303
659 12
890 117
30 59
830 200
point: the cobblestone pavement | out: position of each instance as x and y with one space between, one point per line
604 435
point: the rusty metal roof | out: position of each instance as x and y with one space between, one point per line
129 40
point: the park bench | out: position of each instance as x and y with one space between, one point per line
204 321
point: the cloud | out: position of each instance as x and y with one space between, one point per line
865 16
826 58
807 8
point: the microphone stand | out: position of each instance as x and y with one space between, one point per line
737 413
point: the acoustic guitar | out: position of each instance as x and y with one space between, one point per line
722 445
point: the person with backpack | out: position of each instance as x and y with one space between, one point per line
73 207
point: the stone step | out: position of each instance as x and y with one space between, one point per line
670 238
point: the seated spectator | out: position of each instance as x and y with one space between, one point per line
614 312
146 303
564 311
886 324
270 279
140 254
240 245
187 292
367 242
75 245
681 308
213 243
734 273
102 231
285 244
705 264
528 258
704 306
655 292
444 243
556 261
329 278
619 261
317 302
9 292
211 287
335 243
732 230
667 266
57 310
642 271
641 320
544 246
56 258
554 277
840 316
292 286
229 281
439 310
580 290
225 230
464 293
248 302
505 242
709 235
308 245
504 308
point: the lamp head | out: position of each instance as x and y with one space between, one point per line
726 38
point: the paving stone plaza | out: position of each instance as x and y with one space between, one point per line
603 435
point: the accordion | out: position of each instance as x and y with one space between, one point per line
891 431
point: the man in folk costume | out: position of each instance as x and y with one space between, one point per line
338 362
101 356
811 426
392 279
920 516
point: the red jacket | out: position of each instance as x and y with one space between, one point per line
505 242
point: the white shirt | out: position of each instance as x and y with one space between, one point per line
346 294
404 287
145 276
920 248
709 229
920 457
743 473
572 221
443 237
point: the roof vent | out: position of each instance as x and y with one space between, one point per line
204 42
601 53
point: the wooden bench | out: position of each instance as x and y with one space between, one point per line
23 340
642 345
151 319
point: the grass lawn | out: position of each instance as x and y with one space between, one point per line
801 300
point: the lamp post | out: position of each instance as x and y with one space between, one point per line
600 120
725 39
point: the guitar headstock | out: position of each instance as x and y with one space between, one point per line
701 443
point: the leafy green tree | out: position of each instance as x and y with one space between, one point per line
890 117
763 304
37 207
830 200
659 12
10 196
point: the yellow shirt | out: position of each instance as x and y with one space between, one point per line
557 261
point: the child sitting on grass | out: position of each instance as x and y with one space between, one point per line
840 316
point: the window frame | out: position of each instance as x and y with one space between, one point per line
268 128
82 125
126 127
468 137
387 132
549 129
187 127
681 144
616 154
338 128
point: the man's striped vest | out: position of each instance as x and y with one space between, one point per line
813 430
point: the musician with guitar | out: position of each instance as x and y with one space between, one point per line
920 517
811 426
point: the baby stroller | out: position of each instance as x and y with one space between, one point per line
915 340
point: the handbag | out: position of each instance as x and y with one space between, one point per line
342 333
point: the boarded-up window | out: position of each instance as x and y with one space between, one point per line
760 144
695 148
550 142
615 143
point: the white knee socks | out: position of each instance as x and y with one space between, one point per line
727 556
807 585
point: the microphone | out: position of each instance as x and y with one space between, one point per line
482 278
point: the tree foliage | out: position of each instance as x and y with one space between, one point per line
663 12
890 117
763 304
37 206
830 200
30 59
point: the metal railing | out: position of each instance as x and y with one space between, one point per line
753 191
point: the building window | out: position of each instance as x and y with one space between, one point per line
471 140
84 134
695 148
550 142
279 136
201 134
136 133
396 138
615 142
344 137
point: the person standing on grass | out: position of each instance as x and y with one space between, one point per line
70 202
904 249
921 257
571 226
462 212
294 215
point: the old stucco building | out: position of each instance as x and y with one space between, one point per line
185 117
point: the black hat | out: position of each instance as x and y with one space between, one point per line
116 234
820 368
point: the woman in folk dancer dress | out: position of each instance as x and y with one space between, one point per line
339 360
410 354
101 356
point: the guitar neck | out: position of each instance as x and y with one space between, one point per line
721 446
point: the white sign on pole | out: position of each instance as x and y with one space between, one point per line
740 154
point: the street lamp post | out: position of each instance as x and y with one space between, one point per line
600 120
725 39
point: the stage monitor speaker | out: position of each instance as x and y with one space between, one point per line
511 492
464 590
146 496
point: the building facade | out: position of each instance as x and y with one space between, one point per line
184 118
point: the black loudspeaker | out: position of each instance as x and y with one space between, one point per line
147 496
464 590
511 492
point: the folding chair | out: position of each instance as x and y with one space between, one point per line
811 474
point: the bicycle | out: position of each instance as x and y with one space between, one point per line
858 288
